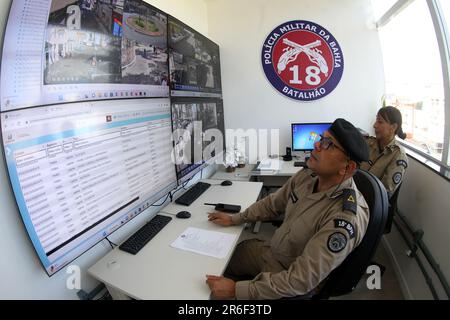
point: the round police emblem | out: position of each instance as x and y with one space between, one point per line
302 60
397 177
336 242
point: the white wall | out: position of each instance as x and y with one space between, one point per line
240 28
21 273
424 201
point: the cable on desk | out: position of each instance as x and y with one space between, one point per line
172 192
165 199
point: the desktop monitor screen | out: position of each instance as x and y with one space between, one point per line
304 135
81 171
212 117
199 133
58 51
194 62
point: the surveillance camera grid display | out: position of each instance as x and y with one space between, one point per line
193 60
84 46
73 50
194 118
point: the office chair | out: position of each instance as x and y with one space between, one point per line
392 209
346 276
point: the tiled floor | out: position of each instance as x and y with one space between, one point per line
390 288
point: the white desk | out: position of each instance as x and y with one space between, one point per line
239 174
276 178
268 177
159 271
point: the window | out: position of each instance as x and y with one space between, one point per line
445 5
414 76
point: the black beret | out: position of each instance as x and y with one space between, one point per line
350 139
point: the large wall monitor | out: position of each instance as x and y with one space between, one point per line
194 62
59 51
304 135
198 126
79 171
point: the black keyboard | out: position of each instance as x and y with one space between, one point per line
193 193
299 163
140 238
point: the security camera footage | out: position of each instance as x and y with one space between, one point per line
81 46
67 50
81 170
144 45
193 60
192 121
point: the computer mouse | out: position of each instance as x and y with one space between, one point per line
226 183
183 215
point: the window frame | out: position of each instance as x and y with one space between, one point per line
443 40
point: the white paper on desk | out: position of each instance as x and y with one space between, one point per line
269 164
209 243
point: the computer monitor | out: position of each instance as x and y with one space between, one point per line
211 114
80 171
194 62
199 133
304 135
60 51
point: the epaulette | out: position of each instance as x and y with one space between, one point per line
349 200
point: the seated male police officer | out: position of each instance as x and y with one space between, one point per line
325 219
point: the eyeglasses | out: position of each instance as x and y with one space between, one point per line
327 142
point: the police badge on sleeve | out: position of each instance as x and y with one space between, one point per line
302 60
337 242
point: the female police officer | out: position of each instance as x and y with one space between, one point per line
387 158
325 219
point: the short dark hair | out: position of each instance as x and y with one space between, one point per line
393 115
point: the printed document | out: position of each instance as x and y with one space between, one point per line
269 164
209 243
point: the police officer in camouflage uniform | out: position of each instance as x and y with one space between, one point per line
387 159
325 219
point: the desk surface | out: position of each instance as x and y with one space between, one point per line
159 271
287 169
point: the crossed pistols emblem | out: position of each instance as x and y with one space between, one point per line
294 49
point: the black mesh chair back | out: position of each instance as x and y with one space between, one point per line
392 209
346 276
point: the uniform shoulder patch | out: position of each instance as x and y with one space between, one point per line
397 177
402 163
344 224
349 200
337 242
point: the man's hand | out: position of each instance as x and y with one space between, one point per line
221 287
220 218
